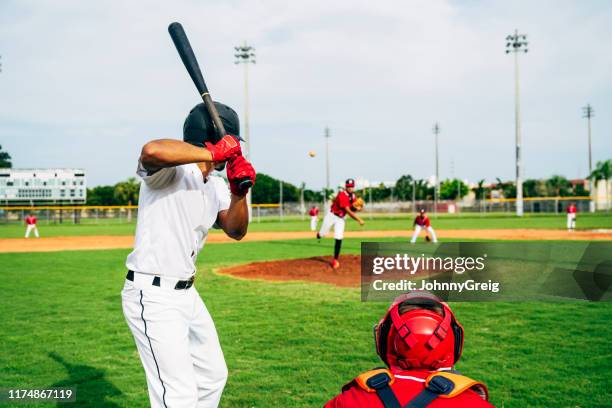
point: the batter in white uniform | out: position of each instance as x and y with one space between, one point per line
179 202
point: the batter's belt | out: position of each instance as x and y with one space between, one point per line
182 284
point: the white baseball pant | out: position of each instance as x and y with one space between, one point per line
332 220
571 221
313 222
177 342
29 229
417 230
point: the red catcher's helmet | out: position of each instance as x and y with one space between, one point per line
419 331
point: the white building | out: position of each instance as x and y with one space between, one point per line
42 186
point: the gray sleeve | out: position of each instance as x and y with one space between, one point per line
157 179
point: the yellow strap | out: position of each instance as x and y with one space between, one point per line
362 379
462 384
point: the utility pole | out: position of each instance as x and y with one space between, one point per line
245 55
414 196
517 43
302 204
280 200
327 183
436 131
588 114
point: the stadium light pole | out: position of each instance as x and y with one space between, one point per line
327 184
436 131
517 43
245 55
588 114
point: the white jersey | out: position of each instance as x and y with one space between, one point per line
176 208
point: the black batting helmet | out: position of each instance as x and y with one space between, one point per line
199 128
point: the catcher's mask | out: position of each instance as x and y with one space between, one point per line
419 331
349 183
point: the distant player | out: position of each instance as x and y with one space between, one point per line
30 221
346 202
571 217
422 222
314 217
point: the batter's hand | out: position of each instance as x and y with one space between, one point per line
238 169
225 149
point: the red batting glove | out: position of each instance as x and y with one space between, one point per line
225 149
239 169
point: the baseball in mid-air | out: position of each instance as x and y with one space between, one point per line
312 153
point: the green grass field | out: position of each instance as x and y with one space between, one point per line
465 221
286 344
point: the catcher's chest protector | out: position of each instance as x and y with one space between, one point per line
381 387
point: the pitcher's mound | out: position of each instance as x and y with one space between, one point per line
315 269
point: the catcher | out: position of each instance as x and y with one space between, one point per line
419 339
346 202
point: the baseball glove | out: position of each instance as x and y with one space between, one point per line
358 204
427 238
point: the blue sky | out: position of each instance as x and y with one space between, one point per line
86 84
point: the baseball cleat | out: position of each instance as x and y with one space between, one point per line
335 264
318 237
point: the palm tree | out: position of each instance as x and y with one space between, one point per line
558 185
602 172
479 190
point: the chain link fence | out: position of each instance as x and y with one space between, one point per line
292 210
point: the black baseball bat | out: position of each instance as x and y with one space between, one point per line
181 42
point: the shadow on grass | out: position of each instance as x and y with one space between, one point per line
92 388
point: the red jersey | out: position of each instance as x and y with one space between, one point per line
313 212
407 385
571 209
30 220
422 221
343 199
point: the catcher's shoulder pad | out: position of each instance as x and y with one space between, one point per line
460 383
365 380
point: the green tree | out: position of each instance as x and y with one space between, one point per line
403 188
267 190
602 171
312 196
480 190
452 189
5 160
423 191
530 188
508 188
580 191
558 186
101 195
126 192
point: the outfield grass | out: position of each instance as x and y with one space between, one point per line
286 344
467 221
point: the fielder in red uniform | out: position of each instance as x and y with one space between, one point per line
422 222
419 339
314 217
341 206
571 217
31 226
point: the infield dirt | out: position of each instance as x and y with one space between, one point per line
126 241
314 269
